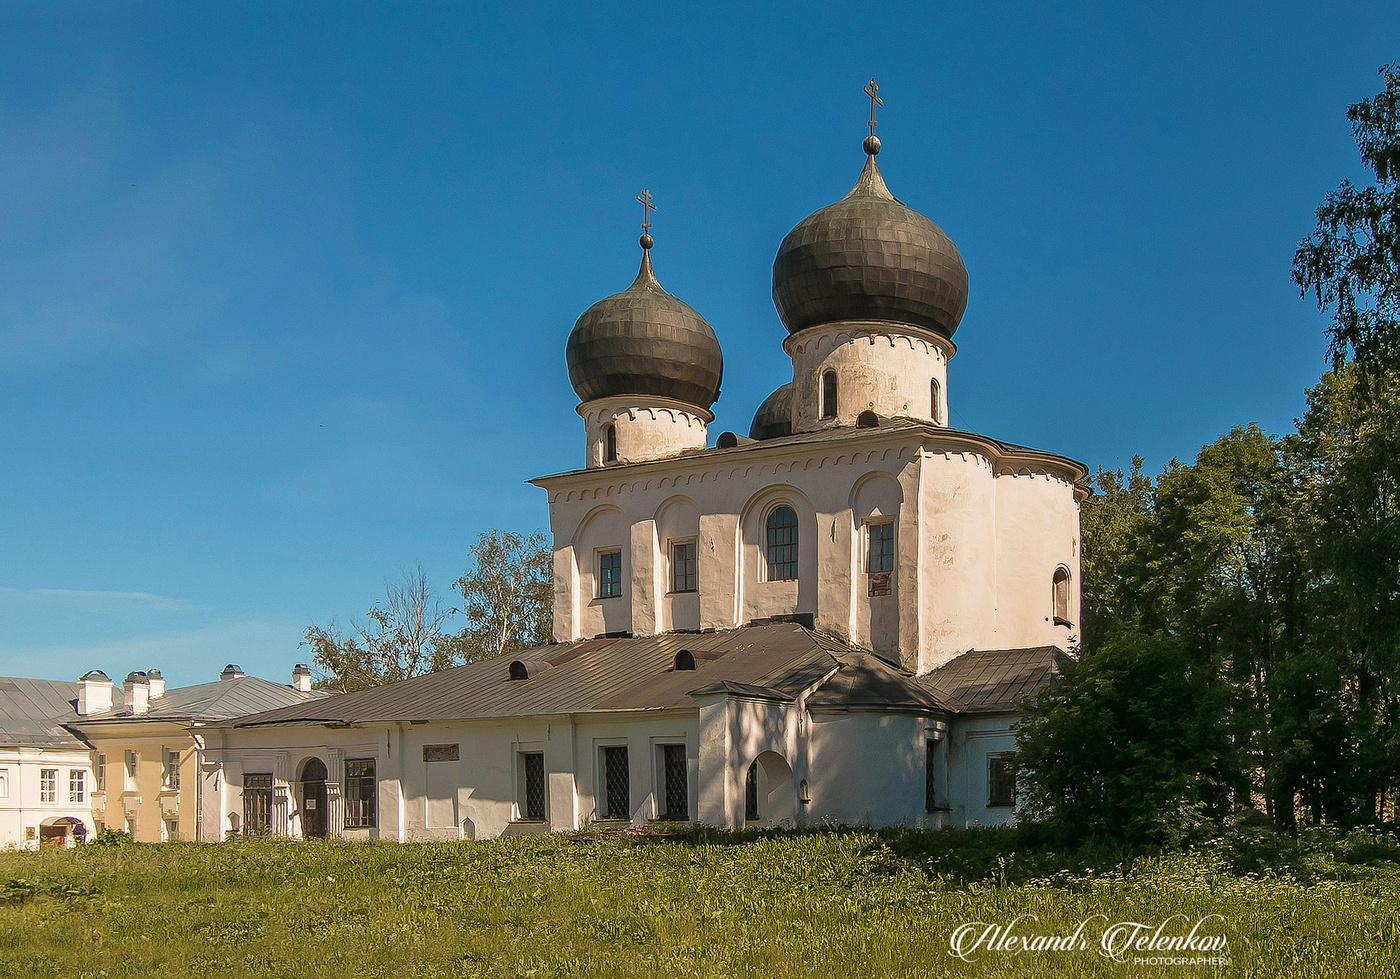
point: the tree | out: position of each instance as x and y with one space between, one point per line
508 595
1352 261
1111 523
402 637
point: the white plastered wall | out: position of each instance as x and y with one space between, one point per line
644 428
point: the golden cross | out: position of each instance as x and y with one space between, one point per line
644 198
875 100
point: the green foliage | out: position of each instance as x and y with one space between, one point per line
1111 522
1129 738
507 596
112 837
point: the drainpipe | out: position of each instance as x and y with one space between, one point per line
198 787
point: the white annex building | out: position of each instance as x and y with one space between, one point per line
829 620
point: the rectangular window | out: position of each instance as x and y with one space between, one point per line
257 803
360 793
930 786
170 772
77 785
101 773
130 769
675 783
684 576
880 549
171 830
617 783
532 784
4 783
1001 781
609 574
48 785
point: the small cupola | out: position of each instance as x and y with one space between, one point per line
231 672
94 693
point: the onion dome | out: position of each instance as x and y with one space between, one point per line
644 341
774 417
868 257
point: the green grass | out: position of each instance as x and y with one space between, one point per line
831 903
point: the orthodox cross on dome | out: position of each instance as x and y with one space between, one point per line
644 198
875 100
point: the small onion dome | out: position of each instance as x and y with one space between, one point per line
774 417
868 257
644 341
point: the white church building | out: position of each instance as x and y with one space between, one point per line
831 619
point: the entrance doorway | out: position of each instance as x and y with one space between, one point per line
313 799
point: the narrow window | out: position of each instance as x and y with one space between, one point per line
1001 781
782 544
170 773
101 773
933 397
609 574
675 783
77 785
829 394
172 829
880 547
257 804
751 793
683 568
930 787
4 783
48 785
130 769
610 443
617 782
532 805
360 793
1060 587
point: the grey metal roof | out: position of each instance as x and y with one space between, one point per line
984 681
33 712
213 701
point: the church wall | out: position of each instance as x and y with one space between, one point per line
866 768
651 430
603 529
972 741
1037 522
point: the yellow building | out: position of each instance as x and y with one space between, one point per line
147 750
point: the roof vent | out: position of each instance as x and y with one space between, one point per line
867 419
685 660
518 671
231 672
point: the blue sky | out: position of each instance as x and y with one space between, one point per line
284 288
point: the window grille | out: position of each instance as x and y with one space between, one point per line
257 804
675 783
609 574
829 394
751 793
684 574
616 783
48 785
782 544
534 786
880 547
1001 781
359 793
930 786
77 785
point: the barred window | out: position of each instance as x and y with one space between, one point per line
1001 781
77 785
617 781
609 574
684 576
360 792
880 547
532 805
930 785
675 783
751 793
257 803
782 544
48 785
170 773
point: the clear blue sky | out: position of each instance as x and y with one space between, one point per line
284 288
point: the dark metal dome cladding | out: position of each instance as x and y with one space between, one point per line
774 417
868 257
644 341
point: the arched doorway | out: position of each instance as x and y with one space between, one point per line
313 798
769 796
62 831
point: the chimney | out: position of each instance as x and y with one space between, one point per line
157 683
301 678
94 693
231 672
137 691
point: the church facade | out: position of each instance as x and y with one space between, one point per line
831 619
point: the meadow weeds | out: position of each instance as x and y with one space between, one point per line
699 903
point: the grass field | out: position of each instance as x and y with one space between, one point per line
831 903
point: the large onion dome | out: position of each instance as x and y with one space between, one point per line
774 417
644 341
868 257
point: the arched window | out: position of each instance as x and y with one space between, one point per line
610 443
933 397
1060 588
829 394
782 544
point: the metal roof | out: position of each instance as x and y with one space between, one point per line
33 712
984 681
214 701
